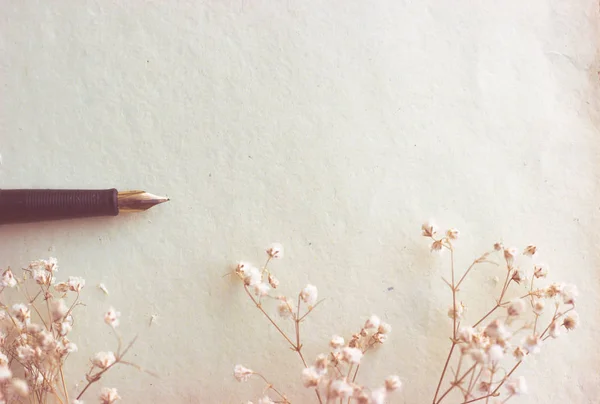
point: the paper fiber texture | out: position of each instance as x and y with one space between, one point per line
335 128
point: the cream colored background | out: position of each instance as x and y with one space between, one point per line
333 127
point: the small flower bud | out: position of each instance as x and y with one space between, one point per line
275 251
372 322
242 373
336 342
393 383
516 307
428 229
453 234
571 321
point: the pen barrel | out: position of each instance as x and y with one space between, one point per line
34 205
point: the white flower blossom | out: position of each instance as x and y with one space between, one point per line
252 277
311 377
393 383
352 355
75 283
8 279
378 396
309 295
516 386
111 317
516 307
372 323
336 342
103 359
109 395
241 373
261 289
275 251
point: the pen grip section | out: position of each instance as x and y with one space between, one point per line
31 205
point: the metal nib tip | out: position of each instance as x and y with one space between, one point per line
137 201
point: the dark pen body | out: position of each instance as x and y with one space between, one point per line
35 205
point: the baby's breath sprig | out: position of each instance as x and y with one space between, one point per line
34 338
331 376
490 351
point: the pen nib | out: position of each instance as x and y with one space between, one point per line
137 201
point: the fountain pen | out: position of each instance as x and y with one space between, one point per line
36 205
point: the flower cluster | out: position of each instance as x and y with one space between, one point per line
34 337
491 350
335 373
484 354
332 375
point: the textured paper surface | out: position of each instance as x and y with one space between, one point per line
335 129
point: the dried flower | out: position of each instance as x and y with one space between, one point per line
109 395
75 283
311 377
516 307
285 308
378 396
457 311
510 254
59 309
21 313
42 277
274 282
538 306
498 246
111 317
372 323
384 328
265 400
517 276
532 344
336 342
25 353
8 279
554 290
465 334
530 250
275 251
5 373
569 293
62 287
309 295
340 388
380 338
64 328
20 387
519 353
241 373
516 386
437 246
252 277
261 289
242 268
352 355
495 353
453 234
321 363
103 359
497 330
478 355
540 271
393 383
571 321
428 229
